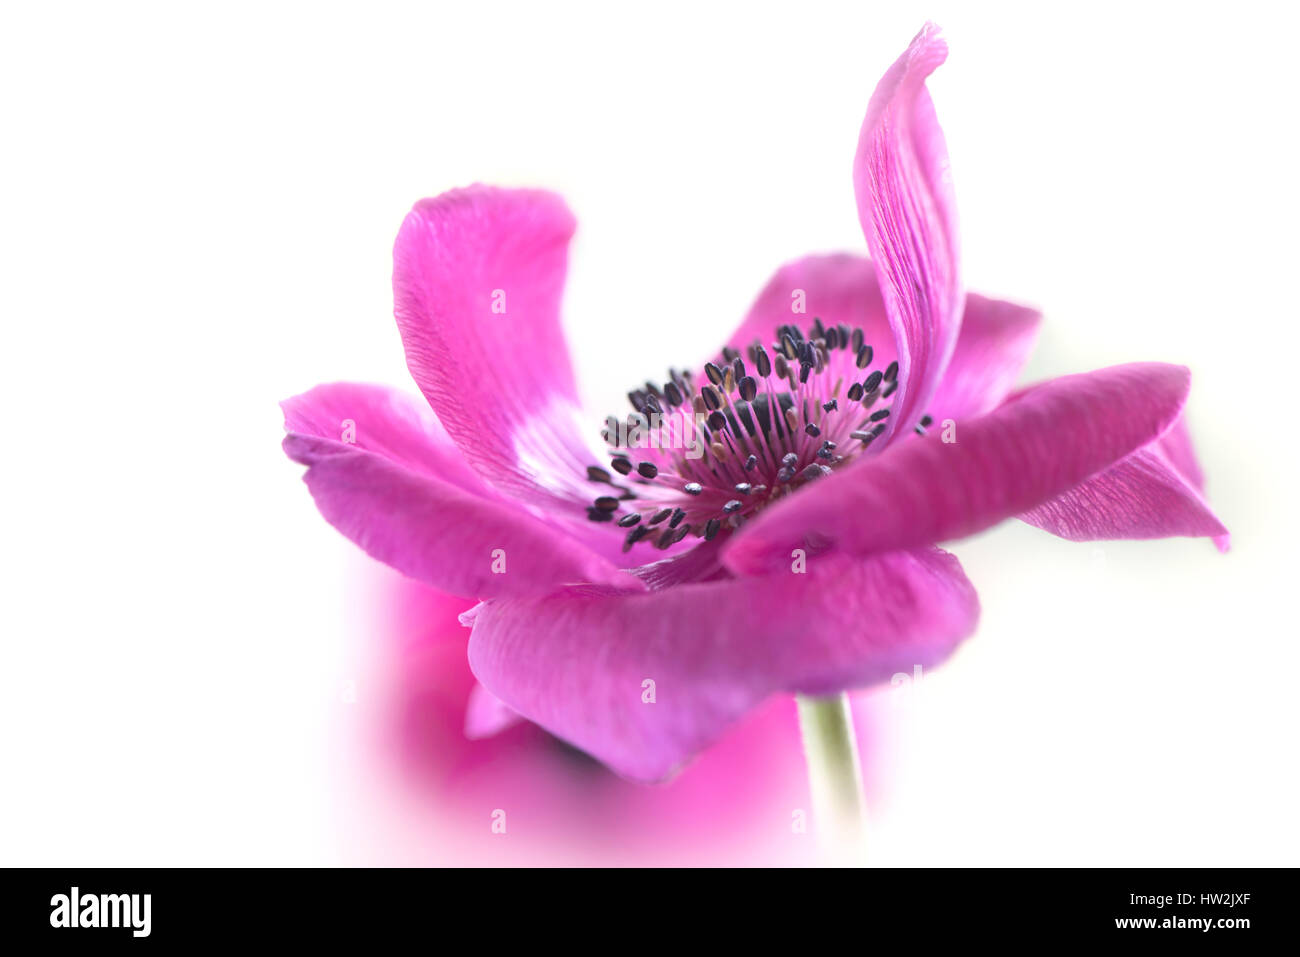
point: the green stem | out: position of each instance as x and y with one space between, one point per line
834 776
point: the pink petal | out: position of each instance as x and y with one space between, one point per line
908 214
926 490
400 491
1141 496
486 714
384 421
577 663
500 381
992 348
1176 446
1177 449
834 287
841 288
699 563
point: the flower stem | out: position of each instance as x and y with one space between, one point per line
834 776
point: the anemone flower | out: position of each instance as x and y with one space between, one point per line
766 523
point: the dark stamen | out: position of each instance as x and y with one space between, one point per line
770 408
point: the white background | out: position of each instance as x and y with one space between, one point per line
197 209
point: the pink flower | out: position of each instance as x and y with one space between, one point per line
809 470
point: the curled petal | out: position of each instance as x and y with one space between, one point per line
642 682
1142 496
392 484
1176 446
389 423
924 490
478 275
908 214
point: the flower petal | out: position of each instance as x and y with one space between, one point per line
908 214
994 344
923 490
384 421
1142 496
478 275
1176 446
395 486
841 288
578 662
838 288
486 714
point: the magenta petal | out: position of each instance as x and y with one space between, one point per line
478 276
389 423
1177 449
389 481
841 288
1142 496
908 214
578 663
994 344
925 489
486 714
834 287
1176 446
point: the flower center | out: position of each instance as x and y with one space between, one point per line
702 458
